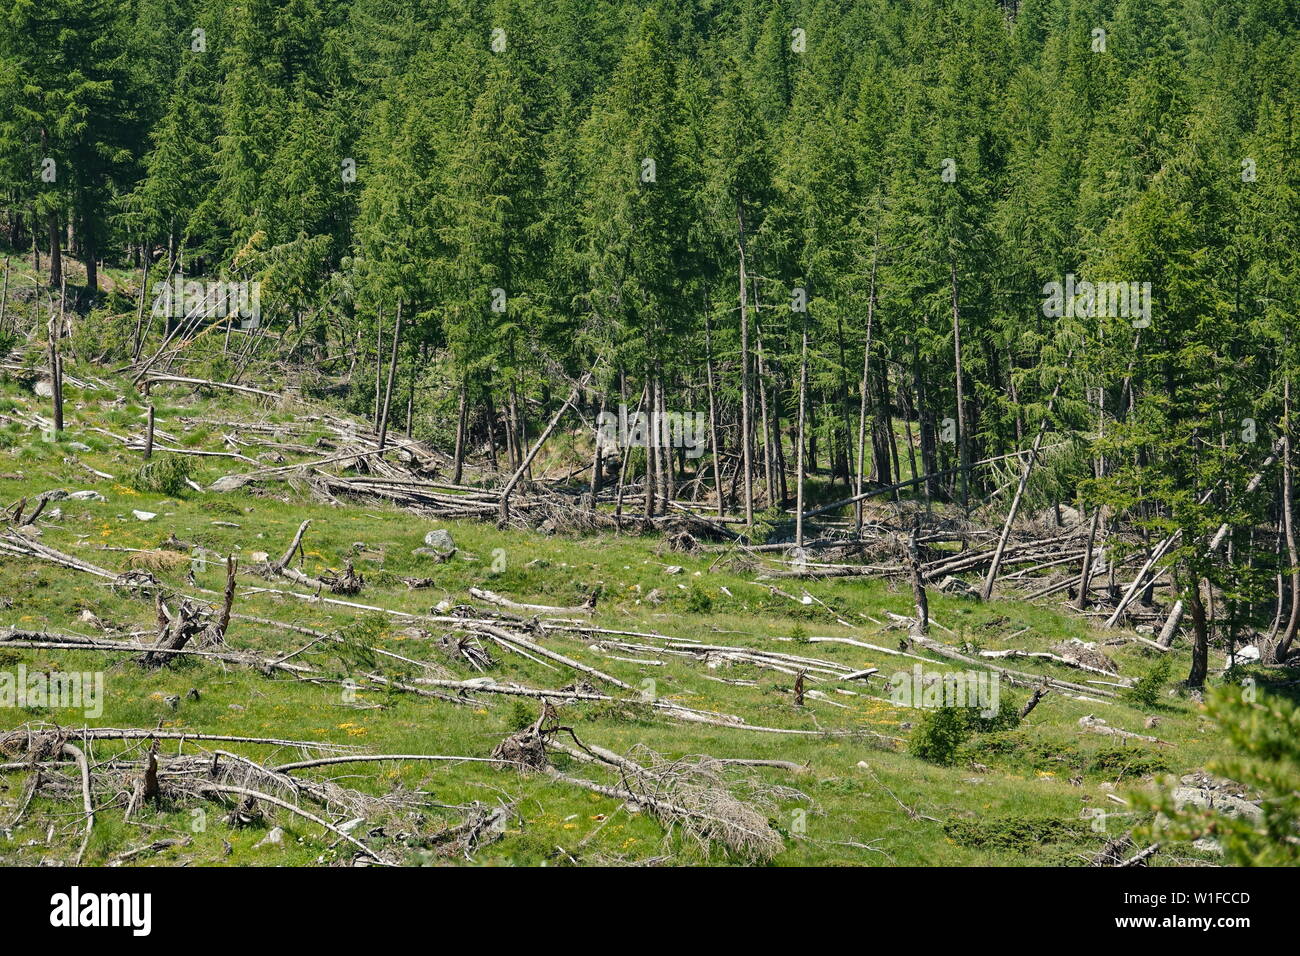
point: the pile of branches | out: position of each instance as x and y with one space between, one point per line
139 776
695 794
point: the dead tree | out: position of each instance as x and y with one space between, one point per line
987 590
504 514
148 436
176 630
922 625
392 371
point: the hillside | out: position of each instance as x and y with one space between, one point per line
675 636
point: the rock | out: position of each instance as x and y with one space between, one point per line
144 515
55 494
86 495
88 616
228 483
1068 517
957 587
438 556
274 838
440 540
1224 803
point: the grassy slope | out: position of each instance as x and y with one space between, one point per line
1012 802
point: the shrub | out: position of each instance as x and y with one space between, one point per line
1145 692
698 600
520 716
165 475
1007 718
939 735
942 731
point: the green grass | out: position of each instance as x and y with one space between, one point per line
1017 797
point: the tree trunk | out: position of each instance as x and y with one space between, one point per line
1282 648
458 459
4 296
962 444
863 399
504 515
652 403
769 475
379 363
922 625
663 440
392 372
1200 635
597 457
713 415
56 366
148 436
1085 574
746 454
88 253
56 257
803 410
987 591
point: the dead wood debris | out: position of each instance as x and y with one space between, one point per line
692 793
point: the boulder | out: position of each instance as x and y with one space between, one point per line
1224 803
439 540
957 587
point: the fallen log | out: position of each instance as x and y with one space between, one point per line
491 597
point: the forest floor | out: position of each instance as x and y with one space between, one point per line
1024 796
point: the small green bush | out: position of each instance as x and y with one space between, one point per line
939 735
941 732
698 600
165 475
520 716
1145 692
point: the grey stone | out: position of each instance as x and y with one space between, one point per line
440 540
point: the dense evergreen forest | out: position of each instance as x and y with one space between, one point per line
956 249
